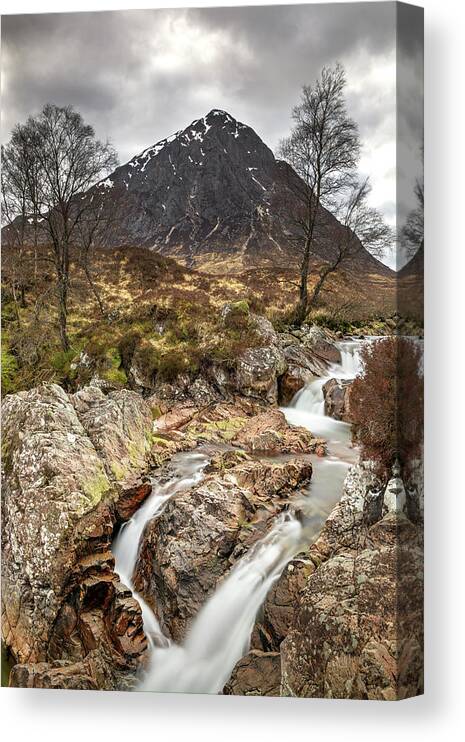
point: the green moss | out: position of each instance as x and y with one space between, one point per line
94 489
158 441
9 371
224 430
115 376
241 307
136 452
118 471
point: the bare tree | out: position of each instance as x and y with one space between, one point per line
412 233
91 231
358 223
323 149
16 207
68 160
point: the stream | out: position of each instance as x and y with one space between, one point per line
220 633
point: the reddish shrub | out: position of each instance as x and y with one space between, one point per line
386 402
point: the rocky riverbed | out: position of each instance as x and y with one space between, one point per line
78 466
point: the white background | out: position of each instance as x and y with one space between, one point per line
73 715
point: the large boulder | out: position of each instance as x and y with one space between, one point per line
336 394
302 367
67 462
321 343
201 533
270 433
256 674
356 631
257 372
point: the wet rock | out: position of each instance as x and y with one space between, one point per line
277 615
270 432
264 481
256 674
132 498
357 626
200 534
257 371
321 343
302 367
60 496
336 394
185 551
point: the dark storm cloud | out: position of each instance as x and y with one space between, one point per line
102 63
137 76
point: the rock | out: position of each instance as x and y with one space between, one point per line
201 532
263 481
185 551
357 626
302 367
321 344
336 393
95 672
285 339
269 432
60 497
132 498
175 418
256 674
257 370
222 460
277 614
119 426
264 329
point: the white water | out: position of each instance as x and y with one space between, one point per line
308 408
187 470
220 633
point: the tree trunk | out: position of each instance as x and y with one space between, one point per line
63 311
94 288
22 293
317 289
301 311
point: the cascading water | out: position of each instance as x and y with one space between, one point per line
187 470
307 409
308 406
220 633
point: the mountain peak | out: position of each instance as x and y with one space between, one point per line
218 113
213 188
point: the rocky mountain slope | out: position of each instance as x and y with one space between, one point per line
211 193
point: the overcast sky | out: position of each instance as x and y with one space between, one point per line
138 76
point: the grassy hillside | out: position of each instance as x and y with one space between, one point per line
173 309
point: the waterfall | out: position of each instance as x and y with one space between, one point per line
187 470
350 359
220 633
308 406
